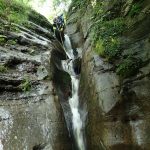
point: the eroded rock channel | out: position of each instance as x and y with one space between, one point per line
39 79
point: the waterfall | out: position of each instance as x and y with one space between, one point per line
68 47
77 123
1 145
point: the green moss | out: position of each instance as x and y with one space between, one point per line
17 18
112 48
128 67
12 42
97 10
14 11
136 9
2 40
3 36
3 69
106 32
99 48
105 37
26 85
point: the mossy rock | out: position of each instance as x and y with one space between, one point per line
14 11
12 42
3 69
99 48
129 67
26 85
105 35
2 40
40 20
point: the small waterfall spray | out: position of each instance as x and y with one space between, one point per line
77 123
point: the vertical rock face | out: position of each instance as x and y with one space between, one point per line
31 117
116 94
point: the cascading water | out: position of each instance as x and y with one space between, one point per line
68 47
77 123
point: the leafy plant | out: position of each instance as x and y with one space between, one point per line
128 67
106 34
3 69
99 48
26 85
97 9
112 48
12 42
135 9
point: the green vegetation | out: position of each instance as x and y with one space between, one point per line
12 42
136 9
38 19
99 48
129 67
26 84
78 4
106 32
2 40
105 37
14 11
97 10
3 69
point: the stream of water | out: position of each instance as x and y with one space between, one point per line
77 123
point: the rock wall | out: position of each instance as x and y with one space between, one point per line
115 88
31 116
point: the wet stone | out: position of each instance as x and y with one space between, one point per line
31 116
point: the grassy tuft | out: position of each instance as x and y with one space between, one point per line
26 85
14 11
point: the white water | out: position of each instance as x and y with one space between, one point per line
74 100
1 145
68 47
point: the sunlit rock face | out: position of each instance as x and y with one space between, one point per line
31 117
117 108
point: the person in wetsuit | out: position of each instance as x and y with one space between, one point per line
59 26
59 23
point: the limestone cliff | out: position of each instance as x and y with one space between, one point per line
115 73
31 116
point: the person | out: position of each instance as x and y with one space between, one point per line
58 27
59 23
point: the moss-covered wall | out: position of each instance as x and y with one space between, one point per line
114 37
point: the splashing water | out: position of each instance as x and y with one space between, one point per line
68 47
76 118
74 100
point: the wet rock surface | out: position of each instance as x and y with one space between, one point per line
31 116
117 108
